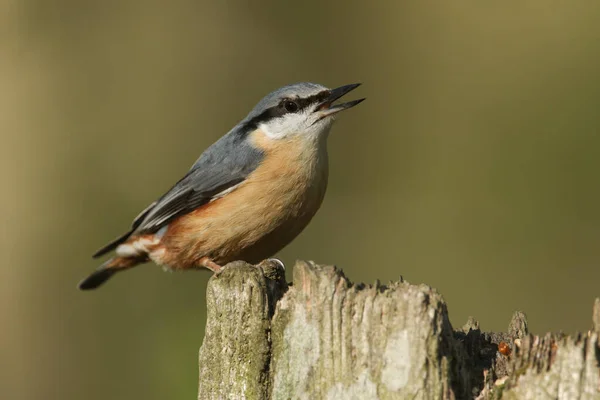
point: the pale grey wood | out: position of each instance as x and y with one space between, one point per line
325 338
235 354
335 340
551 367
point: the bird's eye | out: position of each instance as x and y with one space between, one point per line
290 106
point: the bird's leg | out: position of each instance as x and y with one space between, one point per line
210 264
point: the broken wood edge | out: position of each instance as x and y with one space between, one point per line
484 364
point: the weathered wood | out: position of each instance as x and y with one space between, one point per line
334 340
553 367
326 338
235 353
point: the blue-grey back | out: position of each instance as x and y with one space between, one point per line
224 164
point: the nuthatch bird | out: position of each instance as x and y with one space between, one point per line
248 195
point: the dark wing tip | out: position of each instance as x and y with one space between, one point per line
112 245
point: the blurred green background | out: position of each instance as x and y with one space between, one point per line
473 165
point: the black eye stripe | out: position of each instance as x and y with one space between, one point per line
319 97
280 110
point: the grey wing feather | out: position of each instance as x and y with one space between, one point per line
187 196
223 165
138 220
116 242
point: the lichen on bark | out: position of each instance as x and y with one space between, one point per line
325 337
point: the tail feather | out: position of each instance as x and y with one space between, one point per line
96 278
108 269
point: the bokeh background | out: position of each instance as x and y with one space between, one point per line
473 165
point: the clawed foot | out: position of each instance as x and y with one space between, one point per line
210 264
273 260
217 269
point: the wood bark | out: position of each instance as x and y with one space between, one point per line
323 337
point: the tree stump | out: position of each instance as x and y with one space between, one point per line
323 337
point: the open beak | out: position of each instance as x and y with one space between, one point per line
326 108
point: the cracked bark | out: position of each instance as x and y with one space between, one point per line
326 338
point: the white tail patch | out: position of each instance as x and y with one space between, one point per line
126 250
138 247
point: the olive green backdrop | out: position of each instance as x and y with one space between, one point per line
473 165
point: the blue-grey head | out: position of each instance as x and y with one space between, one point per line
304 109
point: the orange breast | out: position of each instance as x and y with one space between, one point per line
268 210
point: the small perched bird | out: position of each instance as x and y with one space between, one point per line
247 196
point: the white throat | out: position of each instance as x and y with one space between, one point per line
302 124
